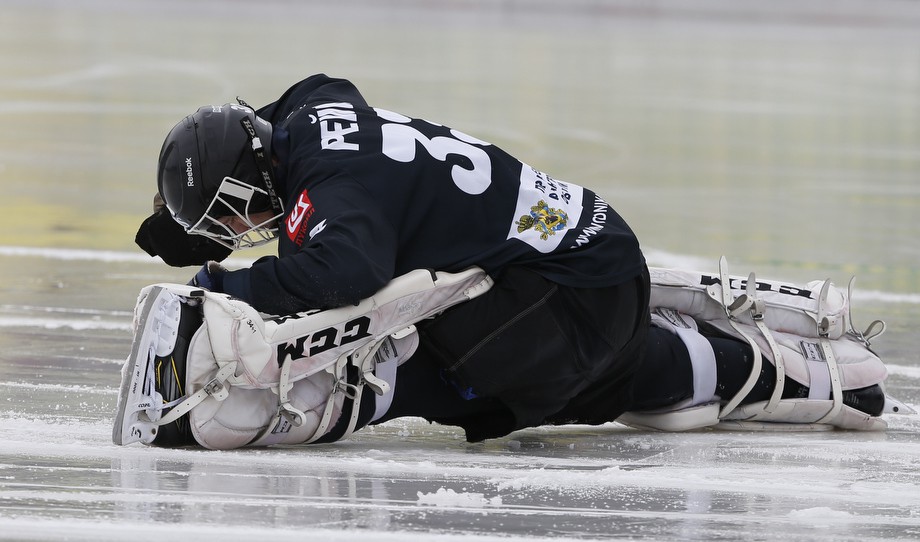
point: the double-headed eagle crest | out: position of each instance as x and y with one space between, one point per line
544 219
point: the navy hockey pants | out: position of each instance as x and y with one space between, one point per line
527 352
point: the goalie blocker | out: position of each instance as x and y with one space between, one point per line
240 379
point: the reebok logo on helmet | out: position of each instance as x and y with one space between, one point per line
188 172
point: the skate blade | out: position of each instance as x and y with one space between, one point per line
772 427
139 404
893 406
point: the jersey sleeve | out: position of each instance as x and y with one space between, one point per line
348 253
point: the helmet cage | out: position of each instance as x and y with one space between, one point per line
233 195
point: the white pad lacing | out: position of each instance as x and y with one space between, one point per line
376 364
804 331
363 359
734 307
214 388
749 301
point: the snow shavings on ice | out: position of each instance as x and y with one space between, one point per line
821 515
451 498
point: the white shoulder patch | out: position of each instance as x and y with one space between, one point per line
546 209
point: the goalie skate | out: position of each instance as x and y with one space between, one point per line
153 376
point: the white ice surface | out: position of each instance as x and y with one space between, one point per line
782 134
62 478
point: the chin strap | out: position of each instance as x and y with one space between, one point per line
263 162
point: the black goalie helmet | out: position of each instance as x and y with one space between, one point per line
216 178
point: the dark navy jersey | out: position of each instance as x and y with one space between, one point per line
370 194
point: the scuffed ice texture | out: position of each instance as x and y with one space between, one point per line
783 135
60 476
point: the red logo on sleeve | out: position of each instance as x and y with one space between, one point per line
296 223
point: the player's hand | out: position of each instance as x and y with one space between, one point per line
210 277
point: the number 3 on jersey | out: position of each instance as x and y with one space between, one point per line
399 143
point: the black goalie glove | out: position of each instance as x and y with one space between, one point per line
160 235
